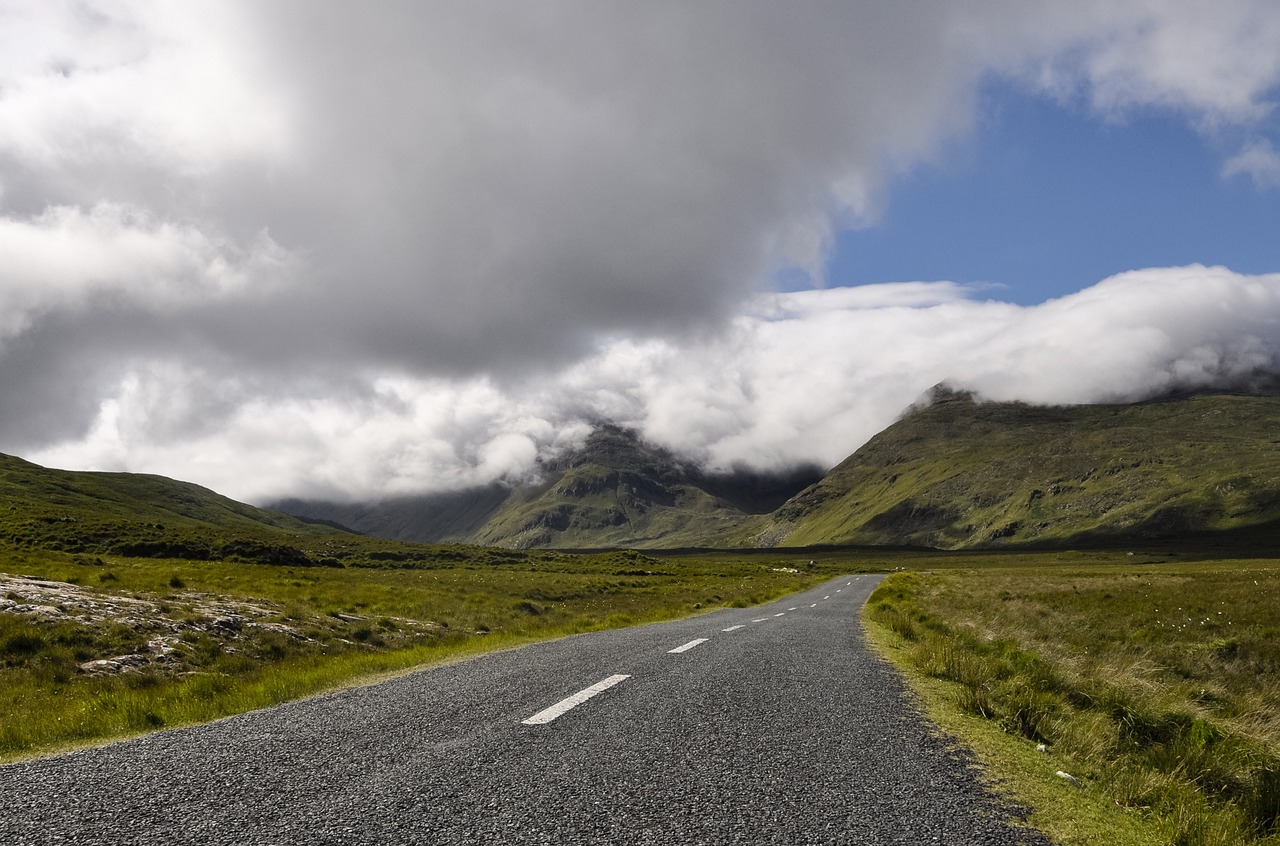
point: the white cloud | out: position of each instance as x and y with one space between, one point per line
314 248
1258 160
149 84
1214 61
69 259
807 384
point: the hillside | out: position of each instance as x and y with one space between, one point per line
962 473
451 517
614 491
144 516
619 491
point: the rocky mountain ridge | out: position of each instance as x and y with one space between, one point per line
616 490
952 472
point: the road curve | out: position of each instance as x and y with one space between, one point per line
757 726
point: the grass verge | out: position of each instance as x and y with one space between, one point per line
1152 685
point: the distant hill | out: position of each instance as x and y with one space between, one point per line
136 515
615 490
452 517
958 473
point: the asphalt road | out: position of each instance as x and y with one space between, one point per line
772 725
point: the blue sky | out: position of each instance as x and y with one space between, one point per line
1044 199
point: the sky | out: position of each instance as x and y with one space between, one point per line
321 250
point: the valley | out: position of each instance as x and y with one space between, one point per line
1084 590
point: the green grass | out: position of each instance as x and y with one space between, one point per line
1154 684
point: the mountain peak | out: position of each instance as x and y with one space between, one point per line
944 393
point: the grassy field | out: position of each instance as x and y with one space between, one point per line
1153 683
1151 679
94 648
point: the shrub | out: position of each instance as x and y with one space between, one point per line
1029 710
974 699
22 644
1262 804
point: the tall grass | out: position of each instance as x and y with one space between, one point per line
1156 685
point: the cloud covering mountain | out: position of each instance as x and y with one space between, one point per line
319 250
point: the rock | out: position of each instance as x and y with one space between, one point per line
229 622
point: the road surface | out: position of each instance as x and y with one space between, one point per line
768 725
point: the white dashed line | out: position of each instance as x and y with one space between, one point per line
826 597
761 620
733 628
548 714
780 614
791 609
685 647
814 605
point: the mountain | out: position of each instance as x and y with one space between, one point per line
452 517
960 473
954 472
619 491
131 514
614 491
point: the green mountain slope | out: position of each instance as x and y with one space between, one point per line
613 491
960 473
618 491
142 515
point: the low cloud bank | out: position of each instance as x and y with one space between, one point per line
799 377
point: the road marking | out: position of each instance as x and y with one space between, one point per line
826 597
733 628
780 614
838 590
814 605
548 714
761 620
791 609
685 647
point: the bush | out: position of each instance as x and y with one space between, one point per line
22 645
1262 804
1030 711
